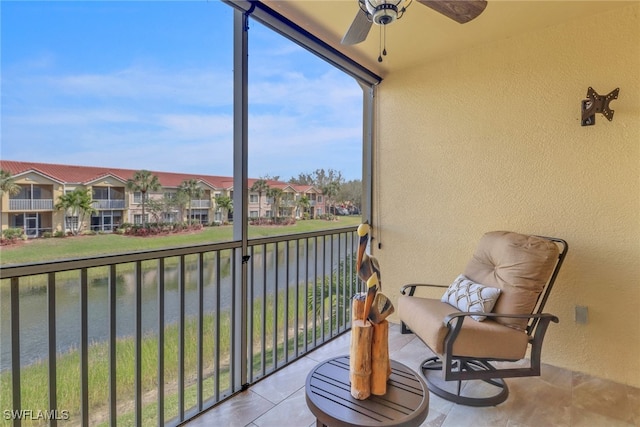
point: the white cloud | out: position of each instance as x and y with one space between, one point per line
182 120
188 87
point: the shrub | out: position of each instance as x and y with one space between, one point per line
328 217
159 228
59 233
13 233
286 221
11 236
272 221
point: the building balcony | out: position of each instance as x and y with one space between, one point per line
201 204
287 203
30 204
108 204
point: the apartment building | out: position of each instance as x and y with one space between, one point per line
41 185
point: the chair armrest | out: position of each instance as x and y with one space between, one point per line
452 316
412 287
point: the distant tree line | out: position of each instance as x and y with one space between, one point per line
335 188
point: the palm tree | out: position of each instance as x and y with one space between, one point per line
178 200
143 181
260 186
192 189
276 195
226 204
7 185
77 203
330 190
303 203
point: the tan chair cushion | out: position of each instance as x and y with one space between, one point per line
519 265
488 339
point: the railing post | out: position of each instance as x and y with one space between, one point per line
181 335
200 341
51 313
112 345
15 348
84 347
138 344
161 342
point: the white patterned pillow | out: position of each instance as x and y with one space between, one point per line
469 296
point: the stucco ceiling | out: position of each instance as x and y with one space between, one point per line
424 35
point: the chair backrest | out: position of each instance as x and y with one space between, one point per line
524 267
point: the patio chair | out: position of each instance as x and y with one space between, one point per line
490 314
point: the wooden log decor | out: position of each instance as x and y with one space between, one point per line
380 366
360 359
369 365
357 306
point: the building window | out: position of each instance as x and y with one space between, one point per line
137 219
253 198
71 223
170 217
200 215
100 193
253 214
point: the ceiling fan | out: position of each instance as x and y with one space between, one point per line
384 12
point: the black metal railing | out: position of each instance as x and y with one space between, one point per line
156 337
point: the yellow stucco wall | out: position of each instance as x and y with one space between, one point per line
491 140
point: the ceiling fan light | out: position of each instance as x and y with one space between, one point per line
384 12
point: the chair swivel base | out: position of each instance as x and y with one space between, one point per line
489 392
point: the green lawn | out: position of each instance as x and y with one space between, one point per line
38 250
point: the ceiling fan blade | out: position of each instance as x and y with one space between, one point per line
461 11
358 30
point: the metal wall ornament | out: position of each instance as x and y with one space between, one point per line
597 104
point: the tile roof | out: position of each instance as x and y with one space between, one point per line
73 174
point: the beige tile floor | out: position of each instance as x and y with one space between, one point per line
557 398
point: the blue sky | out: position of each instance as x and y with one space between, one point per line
148 85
